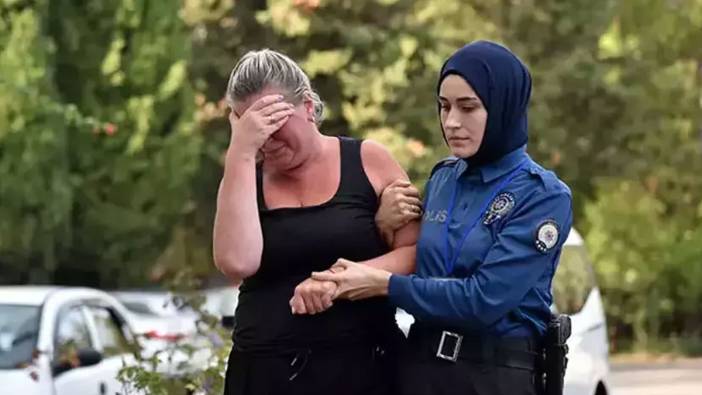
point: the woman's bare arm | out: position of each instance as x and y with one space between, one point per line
238 239
382 170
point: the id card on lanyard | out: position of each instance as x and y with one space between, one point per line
450 259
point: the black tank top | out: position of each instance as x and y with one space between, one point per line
298 241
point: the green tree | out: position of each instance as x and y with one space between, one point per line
653 54
96 205
35 193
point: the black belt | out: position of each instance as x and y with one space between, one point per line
521 352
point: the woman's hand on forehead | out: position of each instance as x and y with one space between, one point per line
238 109
255 125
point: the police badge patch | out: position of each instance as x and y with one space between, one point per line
546 236
500 206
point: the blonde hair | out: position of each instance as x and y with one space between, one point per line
257 70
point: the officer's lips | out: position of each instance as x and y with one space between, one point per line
459 140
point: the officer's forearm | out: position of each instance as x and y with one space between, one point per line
472 302
400 260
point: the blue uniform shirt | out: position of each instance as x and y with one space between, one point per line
500 284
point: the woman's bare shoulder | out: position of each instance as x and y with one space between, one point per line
380 166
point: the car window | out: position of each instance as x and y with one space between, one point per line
71 335
19 328
110 332
137 307
573 281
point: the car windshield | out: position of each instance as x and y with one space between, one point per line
19 327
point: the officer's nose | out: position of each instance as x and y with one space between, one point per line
452 122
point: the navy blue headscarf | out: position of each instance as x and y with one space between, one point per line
503 84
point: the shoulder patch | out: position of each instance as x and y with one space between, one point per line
546 236
446 162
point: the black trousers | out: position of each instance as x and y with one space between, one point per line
420 372
357 370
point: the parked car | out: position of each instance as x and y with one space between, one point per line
62 341
575 293
168 328
160 318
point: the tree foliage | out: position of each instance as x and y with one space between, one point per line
86 201
112 125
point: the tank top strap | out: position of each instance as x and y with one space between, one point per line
259 188
354 181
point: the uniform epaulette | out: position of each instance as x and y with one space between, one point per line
448 161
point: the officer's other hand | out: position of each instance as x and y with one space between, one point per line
312 296
399 204
355 280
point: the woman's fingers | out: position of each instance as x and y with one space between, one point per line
278 115
309 304
313 301
265 101
297 305
274 108
274 127
318 298
328 298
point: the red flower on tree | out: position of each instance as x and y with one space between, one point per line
110 128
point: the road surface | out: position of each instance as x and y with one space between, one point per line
682 377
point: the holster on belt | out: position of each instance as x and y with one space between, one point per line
554 357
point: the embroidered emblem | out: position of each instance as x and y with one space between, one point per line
500 206
546 236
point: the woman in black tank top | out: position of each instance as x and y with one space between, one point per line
289 337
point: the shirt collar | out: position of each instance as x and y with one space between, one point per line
502 166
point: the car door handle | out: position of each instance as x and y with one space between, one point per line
103 388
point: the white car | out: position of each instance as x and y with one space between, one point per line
575 293
62 341
166 326
159 318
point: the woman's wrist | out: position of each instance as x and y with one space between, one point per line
237 155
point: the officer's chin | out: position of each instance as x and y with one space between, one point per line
463 152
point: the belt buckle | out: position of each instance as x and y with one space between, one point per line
453 356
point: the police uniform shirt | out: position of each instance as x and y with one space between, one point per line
496 278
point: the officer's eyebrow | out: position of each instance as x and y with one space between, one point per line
461 99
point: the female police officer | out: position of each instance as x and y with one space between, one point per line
490 240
